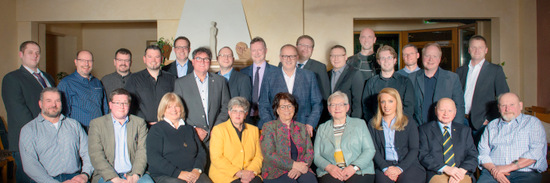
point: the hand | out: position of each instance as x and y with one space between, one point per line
187 176
335 172
201 132
309 129
82 178
131 178
118 180
294 174
247 176
485 123
152 123
503 169
196 174
300 166
348 172
393 173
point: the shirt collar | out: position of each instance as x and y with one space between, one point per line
125 120
436 75
386 123
477 65
31 71
198 79
441 125
515 120
181 122
294 74
226 75
41 118
341 69
244 126
262 65
83 78
184 65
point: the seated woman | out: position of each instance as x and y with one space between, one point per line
343 146
235 150
286 145
396 140
174 151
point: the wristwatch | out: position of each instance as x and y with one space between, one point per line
355 167
516 162
198 169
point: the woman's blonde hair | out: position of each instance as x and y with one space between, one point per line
401 120
167 99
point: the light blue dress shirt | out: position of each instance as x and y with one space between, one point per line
203 91
122 158
182 69
226 75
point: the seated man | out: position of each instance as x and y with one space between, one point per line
513 147
447 149
54 148
117 143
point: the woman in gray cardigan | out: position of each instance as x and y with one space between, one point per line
343 146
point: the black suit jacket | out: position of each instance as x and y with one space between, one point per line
21 93
172 68
240 85
351 83
491 82
405 142
431 148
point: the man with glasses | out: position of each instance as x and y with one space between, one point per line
149 85
346 79
410 58
388 78
433 83
239 83
205 95
301 83
117 79
181 66
83 95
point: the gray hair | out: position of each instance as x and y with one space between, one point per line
238 101
338 94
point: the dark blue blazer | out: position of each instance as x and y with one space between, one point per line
447 86
306 92
490 83
172 68
249 71
431 148
240 85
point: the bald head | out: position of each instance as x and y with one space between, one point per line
509 106
367 39
445 110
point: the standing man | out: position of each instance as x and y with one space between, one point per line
149 85
181 66
83 95
433 83
365 60
301 83
257 71
346 79
117 143
54 148
410 57
512 147
482 82
117 79
387 58
205 95
447 149
20 91
239 83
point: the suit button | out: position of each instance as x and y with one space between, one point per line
202 116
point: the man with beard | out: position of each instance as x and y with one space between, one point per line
117 79
54 147
512 147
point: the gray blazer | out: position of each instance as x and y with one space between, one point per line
218 97
101 146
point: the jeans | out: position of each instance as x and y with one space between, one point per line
145 178
515 176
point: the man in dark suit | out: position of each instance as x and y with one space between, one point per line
300 83
433 83
204 94
181 66
257 71
447 149
346 79
482 82
239 83
21 91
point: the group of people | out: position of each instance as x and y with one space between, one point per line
362 121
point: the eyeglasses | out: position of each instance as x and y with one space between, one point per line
226 56
337 56
121 103
285 107
305 46
338 105
123 60
202 59
289 56
386 58
82 60
181 47
234 111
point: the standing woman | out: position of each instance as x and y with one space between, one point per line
396 140
286 145
235 150
343 146
175 153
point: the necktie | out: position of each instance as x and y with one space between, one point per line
300 66
448 154
256 89
40 79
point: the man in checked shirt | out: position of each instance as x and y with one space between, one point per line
513 147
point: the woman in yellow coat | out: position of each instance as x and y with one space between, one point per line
235 147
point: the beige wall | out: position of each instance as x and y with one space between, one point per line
329 22
9 45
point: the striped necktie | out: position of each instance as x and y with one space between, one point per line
448 154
